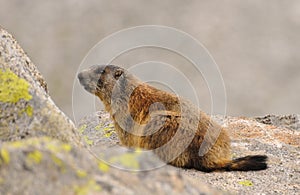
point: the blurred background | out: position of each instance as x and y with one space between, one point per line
255 43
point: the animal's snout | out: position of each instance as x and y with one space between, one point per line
80 76
83 77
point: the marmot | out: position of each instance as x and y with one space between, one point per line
175 129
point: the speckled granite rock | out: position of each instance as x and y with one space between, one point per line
249 137
47 166
288 121
26 107
280 144
153 175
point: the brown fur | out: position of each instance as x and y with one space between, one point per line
153 119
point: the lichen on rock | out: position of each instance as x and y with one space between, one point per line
13 88
26 108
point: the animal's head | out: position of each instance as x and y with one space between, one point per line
101 80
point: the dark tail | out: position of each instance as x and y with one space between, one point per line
248 163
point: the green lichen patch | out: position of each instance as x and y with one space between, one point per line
58 162
81 173
17 144
82 128
34 157
28 110
13 88
129 160
108 132
103 167
59 148
98 127
88 188
66 147
4 156
246 183
87 140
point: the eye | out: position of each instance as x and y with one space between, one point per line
100 71
118 73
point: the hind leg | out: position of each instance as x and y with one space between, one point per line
219 155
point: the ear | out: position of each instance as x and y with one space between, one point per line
118 73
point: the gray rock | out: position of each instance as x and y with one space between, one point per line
26 107
280 143
288 121
249 137
47 166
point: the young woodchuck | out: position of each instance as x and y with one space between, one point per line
175 129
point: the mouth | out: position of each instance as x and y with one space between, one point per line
87 86
82 82
90 89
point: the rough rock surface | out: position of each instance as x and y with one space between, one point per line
280 144
287 121
249 137
47 166
26 107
